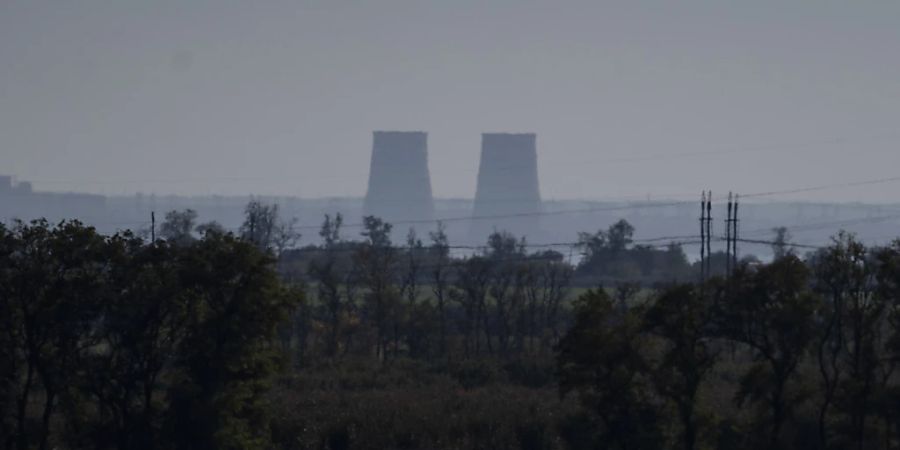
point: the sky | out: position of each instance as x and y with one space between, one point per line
632 99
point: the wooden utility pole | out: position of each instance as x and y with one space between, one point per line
708 233
703 236
734 233
152 227
728 239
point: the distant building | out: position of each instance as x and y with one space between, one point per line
20 201
508 194
399 182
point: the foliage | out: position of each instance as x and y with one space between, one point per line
207 340
126 344
610 255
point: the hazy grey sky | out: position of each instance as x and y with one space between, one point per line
281 97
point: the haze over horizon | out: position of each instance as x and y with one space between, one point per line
628 99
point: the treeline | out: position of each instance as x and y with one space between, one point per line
202 338
373 297
794 354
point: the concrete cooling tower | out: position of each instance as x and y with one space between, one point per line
507 185
399 183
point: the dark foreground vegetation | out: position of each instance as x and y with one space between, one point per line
208 339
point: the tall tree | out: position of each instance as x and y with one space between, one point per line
144 323
600 360
178 227
412 316
56 283
325 271
771 311
472 278
264 227
507 255
377 260
848 353
235 304
781 242
888 282
681 318
439 252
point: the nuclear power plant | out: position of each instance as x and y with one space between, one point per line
507 185
399 183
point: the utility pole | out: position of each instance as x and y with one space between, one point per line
708 233
703 236
152 227
728 239
734 233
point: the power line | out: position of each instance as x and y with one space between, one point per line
824 225
824 187
629 206
788 244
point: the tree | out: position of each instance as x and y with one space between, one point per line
111 342
144 323
781 242
55 285
10 341
376 258
611 254
888 282
682 319
325 272
771 311
619 236
555 278
850 346
507 254
439 252
472 278
410 315
235 304
210 227
178 227
600 361
264 228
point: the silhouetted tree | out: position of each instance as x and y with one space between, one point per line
325 271
209 227
377 259
439 252
178 227
264 227
412 315
53 294
472 279
235 304
781 242
507 255
600 360
888 282
771 311
851 344
681 318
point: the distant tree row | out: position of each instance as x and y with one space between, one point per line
417 300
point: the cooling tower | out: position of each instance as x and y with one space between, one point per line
399 184
507 185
